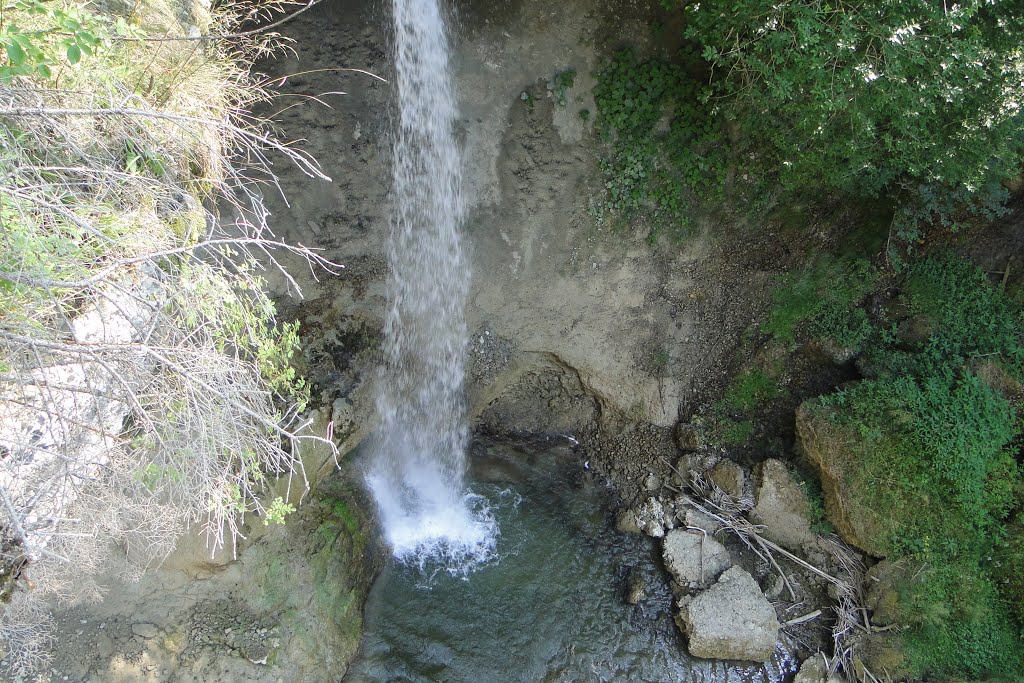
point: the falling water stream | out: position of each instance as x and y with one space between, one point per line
418 458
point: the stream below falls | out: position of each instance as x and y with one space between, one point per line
549 604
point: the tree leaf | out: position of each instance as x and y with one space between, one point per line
15 53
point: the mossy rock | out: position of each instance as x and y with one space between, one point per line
828 447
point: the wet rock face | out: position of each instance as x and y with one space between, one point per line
730 620
287 608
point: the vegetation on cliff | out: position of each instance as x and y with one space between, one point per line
917 106
923 448
145 384
914 102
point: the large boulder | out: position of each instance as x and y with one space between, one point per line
729 477
827 446
781 505
694 559
815 670
730 620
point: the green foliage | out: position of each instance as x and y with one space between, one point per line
663 140
873 97
1007 562
816 506
931 455
848 327
969 316
731 432
931 448
141 161
750 389
49 37
561 84
960 626
827 293
277 511
729 420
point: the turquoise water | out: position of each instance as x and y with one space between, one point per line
549 606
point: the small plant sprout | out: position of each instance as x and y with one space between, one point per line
277 511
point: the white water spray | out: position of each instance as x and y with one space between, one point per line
418 457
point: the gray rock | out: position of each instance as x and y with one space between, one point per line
145 630
699 520
626 522
730 620
650 517
781 506
681 472
729 477
636 587
694 559
815 670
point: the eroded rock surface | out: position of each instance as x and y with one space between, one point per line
730 620
815 670
729 477
826 446
287 609
780 504
694 559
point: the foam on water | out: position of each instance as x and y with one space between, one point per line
418 455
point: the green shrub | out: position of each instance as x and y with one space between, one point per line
932 456
662 140
959 626
872 97
932 451
1007 565
969 316
561 84
828 293
750 389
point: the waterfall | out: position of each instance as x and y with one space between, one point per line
418 454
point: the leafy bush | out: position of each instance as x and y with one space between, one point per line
663 141
1008 560
828 293
872 97
932 451
47 36
960 625
932 456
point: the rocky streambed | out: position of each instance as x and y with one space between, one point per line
568 596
